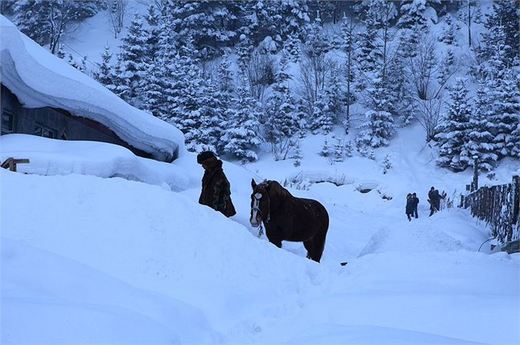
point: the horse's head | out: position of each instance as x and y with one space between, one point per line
260 203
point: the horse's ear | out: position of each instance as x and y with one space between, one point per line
253 183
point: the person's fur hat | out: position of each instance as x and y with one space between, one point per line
204 155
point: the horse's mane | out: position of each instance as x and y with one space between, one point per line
277 188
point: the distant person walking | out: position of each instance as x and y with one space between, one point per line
409 206
415 203
216 190
434 199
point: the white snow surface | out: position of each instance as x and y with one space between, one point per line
121 261
59 157
40 79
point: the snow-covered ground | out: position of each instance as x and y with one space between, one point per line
101 246
91 259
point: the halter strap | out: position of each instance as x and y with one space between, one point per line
268 218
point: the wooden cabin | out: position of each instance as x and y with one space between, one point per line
54 123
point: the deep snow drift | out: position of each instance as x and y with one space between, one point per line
86 250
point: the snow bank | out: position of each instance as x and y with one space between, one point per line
134 239
153 240
58 157
71 303
39 79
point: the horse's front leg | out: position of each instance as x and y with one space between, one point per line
273 237
277 243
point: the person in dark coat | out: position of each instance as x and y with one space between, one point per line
434 199
409 206
415 203
216 190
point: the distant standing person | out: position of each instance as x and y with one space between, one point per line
434 199
409 206
415 202
216 190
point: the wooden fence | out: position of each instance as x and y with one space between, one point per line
498 206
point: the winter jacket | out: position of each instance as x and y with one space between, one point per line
434 199
216 191
415 202
409 205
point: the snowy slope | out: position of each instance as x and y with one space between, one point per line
146 264
417 283
57 293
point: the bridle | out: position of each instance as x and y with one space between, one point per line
257 208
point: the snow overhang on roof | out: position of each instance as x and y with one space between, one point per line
40 79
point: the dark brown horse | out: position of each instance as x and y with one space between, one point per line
287 218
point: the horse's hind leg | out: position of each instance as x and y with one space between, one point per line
309 245
318 244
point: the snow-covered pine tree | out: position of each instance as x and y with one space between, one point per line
349 47
453 133
213 113
188 101
61 52
502 28
322 115
448 34
153 34
505 112
297 156
225 79
281 124
370 52
325 149
210 25
48 21
333 93
515 138
447 67
379 124
413 25
302 117
155 99
277 19
164 79
313 66
387 163
244 48
120 87
481 140
400 93
83 65
105 72
292 46
342 150
242 136
134 59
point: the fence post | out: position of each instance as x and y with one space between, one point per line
515 221
474 183
516 198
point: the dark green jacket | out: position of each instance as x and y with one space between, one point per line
216 191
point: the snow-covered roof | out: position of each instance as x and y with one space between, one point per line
40 79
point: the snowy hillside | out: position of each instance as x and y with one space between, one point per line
354 104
